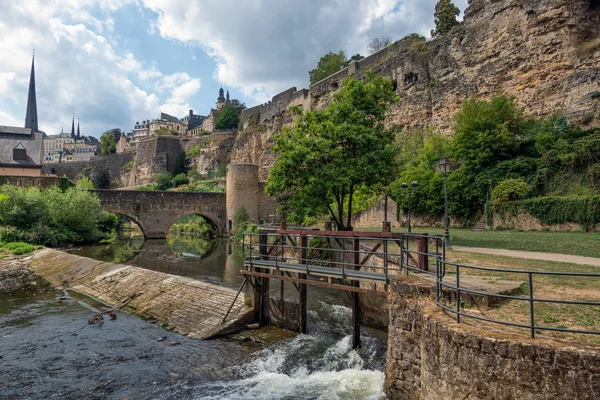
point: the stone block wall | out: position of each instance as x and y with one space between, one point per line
430 357
42 182
74 170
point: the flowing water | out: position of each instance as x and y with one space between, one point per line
49 350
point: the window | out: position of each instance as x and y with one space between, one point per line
19 153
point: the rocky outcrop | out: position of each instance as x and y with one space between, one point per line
545 54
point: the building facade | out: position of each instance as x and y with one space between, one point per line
67 147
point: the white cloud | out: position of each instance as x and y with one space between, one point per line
78 68
265 46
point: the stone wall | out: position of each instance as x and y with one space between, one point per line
430 357
42 182
526 222
374 216
75 170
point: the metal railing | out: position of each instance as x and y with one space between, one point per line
386 255
459 291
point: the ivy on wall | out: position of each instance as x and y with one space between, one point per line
552 210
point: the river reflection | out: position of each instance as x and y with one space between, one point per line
216 261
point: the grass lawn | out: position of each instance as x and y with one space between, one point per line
575 243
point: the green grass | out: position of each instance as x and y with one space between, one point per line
575 243
18 248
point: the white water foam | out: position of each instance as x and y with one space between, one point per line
303 369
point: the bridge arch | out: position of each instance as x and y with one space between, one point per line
156 211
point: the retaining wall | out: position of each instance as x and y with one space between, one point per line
430 357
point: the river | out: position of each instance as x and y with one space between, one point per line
49 350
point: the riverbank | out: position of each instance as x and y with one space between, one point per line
190 307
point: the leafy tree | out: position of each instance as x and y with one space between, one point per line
378 44
445 17
228 117
356 57
329 64
510 190
328 155
180 179
108 144
163 130
239 106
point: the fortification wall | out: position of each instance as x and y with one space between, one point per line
242 190
113 163
431 357
43 182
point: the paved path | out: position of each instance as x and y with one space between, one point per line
532 255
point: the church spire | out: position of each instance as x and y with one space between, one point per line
227 97
221 98
73 126
31 120
78 133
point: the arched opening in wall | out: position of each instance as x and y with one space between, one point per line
410 79
192 236
395 84
595 4
334 86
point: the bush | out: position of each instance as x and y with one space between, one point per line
510 190
180 179
101 179
163 182
593 175
50 216
9 234
84 183
194 151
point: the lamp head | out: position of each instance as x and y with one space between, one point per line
404 185
415 184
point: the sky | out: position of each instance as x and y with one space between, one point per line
110 63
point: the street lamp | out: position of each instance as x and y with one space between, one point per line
445 166
407 193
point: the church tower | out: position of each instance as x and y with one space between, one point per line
78 132
73 127
31 119
221 99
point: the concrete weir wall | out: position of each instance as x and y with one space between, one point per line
188 306
432 358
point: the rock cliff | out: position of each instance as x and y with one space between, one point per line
544 53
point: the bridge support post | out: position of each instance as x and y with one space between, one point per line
303 286
355 298
263 301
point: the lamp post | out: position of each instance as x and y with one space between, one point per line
444 166
406 191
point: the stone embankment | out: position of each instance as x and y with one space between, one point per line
188 306
432 357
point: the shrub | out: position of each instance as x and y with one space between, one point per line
50 216
101 179
9 234
194 151
510 190
593 175
180 179
84 183
163 182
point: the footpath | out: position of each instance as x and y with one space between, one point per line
532 255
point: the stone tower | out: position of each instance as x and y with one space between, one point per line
242 191
221 99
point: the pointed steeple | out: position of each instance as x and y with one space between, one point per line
78 133
31 119
73 126
227 97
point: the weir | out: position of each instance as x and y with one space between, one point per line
362 264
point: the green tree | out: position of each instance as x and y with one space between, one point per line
356 57
164 181
329 64
101 179
108 144
378 44
228 117
84 183
328 155
445 17
163 130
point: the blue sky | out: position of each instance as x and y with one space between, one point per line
114 62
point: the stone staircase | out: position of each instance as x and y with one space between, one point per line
480 226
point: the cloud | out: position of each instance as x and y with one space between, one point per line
78 69
263 47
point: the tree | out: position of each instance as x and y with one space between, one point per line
378 44
356 57
329 64
330 154
163 130
228 117
101 179
445 17
108 144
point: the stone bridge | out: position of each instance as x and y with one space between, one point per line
156 211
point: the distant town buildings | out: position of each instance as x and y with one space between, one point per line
21 149
68 147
